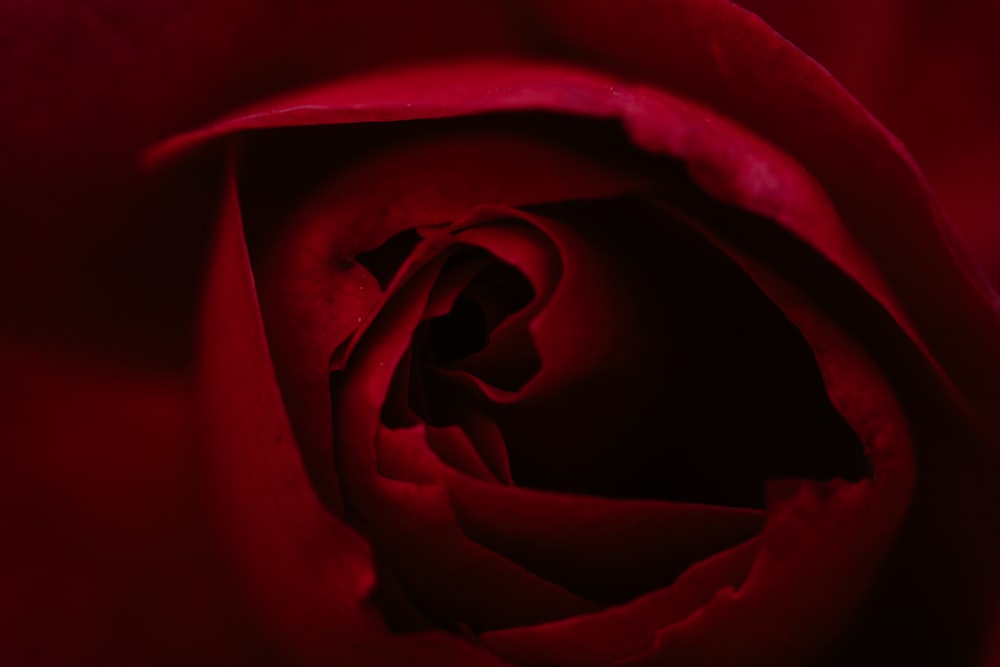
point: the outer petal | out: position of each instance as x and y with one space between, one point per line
926 70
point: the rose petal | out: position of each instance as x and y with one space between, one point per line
439 565
924 69
604 548
487 440
599 639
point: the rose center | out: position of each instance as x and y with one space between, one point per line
496 292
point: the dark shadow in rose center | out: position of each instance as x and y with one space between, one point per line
459 333
747 405
754 408
711 416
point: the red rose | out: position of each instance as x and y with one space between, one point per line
604 336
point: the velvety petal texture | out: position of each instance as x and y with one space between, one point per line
432 489
543 332
923 69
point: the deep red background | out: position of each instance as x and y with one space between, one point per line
98 293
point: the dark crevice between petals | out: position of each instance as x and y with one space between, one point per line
495 293
458 334
383 262
751 406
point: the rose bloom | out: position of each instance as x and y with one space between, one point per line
516 333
